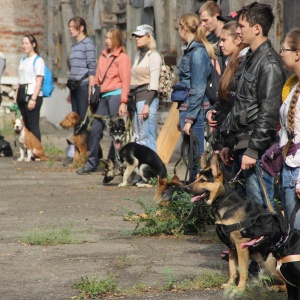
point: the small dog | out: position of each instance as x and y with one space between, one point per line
27 141
72 120
273 232
233 211
141 160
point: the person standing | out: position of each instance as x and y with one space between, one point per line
290 126
144 84
29 95
113 74
253 119
82 61
194 70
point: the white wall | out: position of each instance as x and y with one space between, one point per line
55 108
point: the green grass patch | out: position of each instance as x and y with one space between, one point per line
6 127
96 289
52 235
52 150
179 217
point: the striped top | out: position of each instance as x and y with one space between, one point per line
82 60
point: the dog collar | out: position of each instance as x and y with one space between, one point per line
282 240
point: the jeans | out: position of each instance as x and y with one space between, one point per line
108 106
288 193
31 118
198 129
79 100
145 128
253 188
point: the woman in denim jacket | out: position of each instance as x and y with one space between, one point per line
194 70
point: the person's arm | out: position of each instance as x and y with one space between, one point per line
125 76
90 53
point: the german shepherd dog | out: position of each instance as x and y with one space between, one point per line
233 211
274 233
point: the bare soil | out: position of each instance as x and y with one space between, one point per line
43 194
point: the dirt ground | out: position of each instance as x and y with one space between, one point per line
43 194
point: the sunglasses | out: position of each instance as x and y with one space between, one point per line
285 49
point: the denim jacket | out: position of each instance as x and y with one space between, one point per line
194 70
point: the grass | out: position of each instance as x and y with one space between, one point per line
7 127
52 150
95 288
101 289
52 235
177 218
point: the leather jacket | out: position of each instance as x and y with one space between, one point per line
255 114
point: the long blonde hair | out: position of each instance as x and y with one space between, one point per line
117 38
293 40
191 22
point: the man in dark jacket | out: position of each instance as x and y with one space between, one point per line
254 116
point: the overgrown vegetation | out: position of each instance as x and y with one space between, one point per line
178 217
7 127
52 150
52 235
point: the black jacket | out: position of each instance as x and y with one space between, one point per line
255 113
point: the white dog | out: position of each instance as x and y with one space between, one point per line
27 141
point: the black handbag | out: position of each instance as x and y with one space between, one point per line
131 101
74 84
95 96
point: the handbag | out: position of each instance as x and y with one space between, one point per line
131 101
273 158
73 84
95 96
179 93
165 80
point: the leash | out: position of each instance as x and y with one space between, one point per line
294 213
235 180
269 205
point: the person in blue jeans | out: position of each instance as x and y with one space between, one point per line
254 116
144 83
194 70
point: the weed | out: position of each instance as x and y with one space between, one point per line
50 236
178 217
95 288
123 262
52 150
170 280
7 127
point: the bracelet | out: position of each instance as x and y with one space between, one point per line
33 99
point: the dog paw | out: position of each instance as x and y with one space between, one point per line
20 159
122 184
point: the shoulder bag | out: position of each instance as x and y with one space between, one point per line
95 96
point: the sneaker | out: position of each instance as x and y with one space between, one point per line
85 171
67 161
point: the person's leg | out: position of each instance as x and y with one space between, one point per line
254 189
33 118
79 101
138 123
95 135
147 126
289 198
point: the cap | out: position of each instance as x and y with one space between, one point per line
233 16
143 30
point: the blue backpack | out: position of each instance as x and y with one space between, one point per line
48 86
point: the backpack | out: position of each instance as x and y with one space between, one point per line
5 148
213 82
48 86
165 79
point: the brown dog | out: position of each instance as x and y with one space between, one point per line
72 120
27 141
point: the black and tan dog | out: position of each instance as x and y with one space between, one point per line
273 233
232 212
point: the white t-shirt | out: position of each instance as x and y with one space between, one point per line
28 72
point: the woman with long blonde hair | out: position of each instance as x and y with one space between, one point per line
194 70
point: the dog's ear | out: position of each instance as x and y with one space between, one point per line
121 122
112 124
214 164
161 181
176 179
75 116
203 161
282 222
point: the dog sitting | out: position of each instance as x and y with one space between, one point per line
27 142
274 233
233 211
72 120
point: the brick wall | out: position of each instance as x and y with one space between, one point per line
19 17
